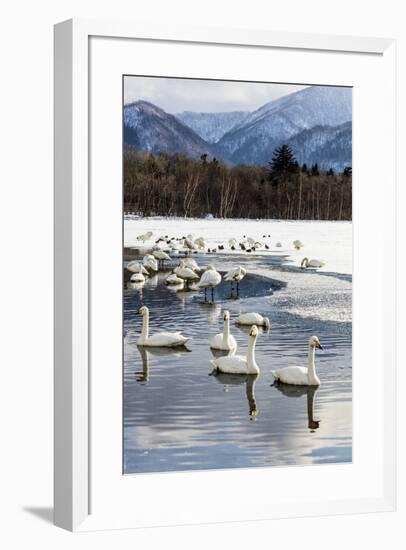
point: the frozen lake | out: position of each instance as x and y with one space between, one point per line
176 417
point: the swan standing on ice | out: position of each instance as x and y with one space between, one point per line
160 339
312 263
137 267
235 275
298 244
225 340
145 237
253 319
237 364
301 376
150 262
210 279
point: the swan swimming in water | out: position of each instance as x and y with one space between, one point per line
312 263
253 319
160 339
301 376
224 340
237 364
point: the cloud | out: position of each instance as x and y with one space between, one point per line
175 95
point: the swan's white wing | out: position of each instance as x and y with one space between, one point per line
249 319
216 341
167 339
232 364
292 375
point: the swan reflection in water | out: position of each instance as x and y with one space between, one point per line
143 376
136 286
298 391
212 311
238 380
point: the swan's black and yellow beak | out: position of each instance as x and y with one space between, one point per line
319 346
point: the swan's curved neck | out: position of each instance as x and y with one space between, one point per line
145 326
251 363
311 368
226 331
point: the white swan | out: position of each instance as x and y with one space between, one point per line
235 275
173 279
252 319
145 236
150 262
237 364
301 376
312 263
298 244
224 340
190 263
160 339
137 278
210 279
186 274
161 256
137 267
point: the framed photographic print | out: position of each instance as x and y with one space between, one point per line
224 275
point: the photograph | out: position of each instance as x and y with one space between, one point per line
237 274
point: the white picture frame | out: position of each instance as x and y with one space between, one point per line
78 490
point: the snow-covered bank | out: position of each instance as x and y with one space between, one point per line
328 241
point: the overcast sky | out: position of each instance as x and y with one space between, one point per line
176 95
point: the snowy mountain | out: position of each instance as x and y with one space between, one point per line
253 141
150 128
315 122
328 146
212 126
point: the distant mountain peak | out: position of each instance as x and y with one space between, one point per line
315 121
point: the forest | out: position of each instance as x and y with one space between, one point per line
160 184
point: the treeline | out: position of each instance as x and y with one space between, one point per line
175 185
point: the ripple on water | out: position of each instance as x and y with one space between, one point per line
176 417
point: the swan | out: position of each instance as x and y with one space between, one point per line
173 279
279 244
160 339
235 275
186 274
145 236
137 267
253 319
301 376
298 244
191 264
150 262
210 279
137 278
237 364
161 256
224 340
201 243
312 263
